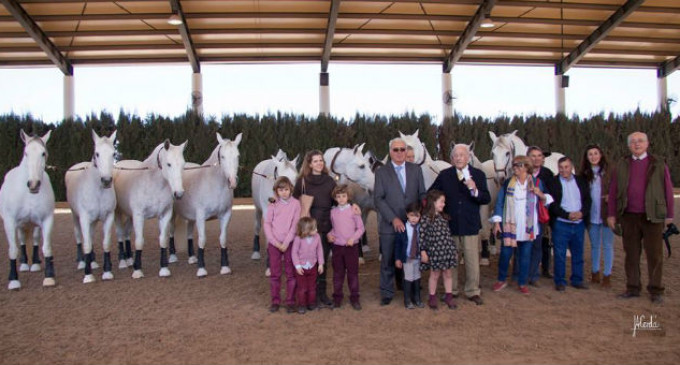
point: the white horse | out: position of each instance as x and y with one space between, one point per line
91 197
27 198
431 168
347 165
209 194
147 189
262 184
505 147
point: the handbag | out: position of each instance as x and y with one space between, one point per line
305 201
543 214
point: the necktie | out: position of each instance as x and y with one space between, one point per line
460 174
413 252
401 178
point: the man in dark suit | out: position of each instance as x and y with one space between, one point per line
465 189
397 184
540 250
568 214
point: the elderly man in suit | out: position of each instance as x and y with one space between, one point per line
465 189
397 184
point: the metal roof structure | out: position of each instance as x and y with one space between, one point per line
563 33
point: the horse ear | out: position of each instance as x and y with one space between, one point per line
237 140
471 146
361 147
184 145
493 136
401 135
166 144
95 136
219 138
112 138
514 133
295 160
46 137
415 135
23 135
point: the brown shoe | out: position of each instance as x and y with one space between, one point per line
606 282
595 278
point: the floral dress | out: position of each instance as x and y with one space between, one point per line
435 239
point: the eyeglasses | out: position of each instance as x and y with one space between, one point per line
399 149
519 164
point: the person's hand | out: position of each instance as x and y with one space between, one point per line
330 237
398 225
574 216
471 184
398 264
496 228
356 209
299 270
611 222
320 269
350 242
424 258
539 193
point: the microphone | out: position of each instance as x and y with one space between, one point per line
466 177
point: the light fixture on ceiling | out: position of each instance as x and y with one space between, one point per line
487 22
174 19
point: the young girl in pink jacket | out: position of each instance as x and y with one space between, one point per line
308 260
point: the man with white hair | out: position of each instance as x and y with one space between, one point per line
641 200
465 189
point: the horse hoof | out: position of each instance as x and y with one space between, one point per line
366 248
268 272
130 261
108 275
122 264
164 272
202 272
24 268
88 279
36 268
137 274
361 261
484 262
225 270
94 265
255 256
192 260
172 259
49 282
14 285
81 265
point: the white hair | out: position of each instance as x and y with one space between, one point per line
465 147
398 139
631 136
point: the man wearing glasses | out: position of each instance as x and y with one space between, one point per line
397 184
641 200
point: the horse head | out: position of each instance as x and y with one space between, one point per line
35 158
358 168
503 151
373 161
103 157
171 162
285 167
414 142
227 158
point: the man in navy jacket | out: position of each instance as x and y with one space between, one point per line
465 189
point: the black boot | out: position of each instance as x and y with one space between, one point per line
408 293
545 259
416 294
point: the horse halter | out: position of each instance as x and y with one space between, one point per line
509 160
337 174
158 159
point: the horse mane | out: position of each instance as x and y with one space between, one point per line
151 159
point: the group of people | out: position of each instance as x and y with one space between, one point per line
422 230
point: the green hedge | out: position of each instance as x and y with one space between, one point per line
262 135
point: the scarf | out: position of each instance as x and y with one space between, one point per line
509 233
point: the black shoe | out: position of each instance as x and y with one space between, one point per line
290 309
443 296
311 308
547 274
274 308
657 299
627 295
560 287
476 299
580 286
356 306
301 309
385 301
326 300
534 283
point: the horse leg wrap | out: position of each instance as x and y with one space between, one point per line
190 247
128 249
36 255
49 267
107 261
94 258
138 260
24 255
121 251
164 257
171 245
224 261
256 244
79 252
88 264
13 274
201 261
485 249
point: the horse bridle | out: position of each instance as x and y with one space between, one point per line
276 174
508 161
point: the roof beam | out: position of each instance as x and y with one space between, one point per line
330 33
38 36
466 38
599 34
186 36
667 68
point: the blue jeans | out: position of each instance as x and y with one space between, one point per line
601 236
534 262
568 235
524 253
